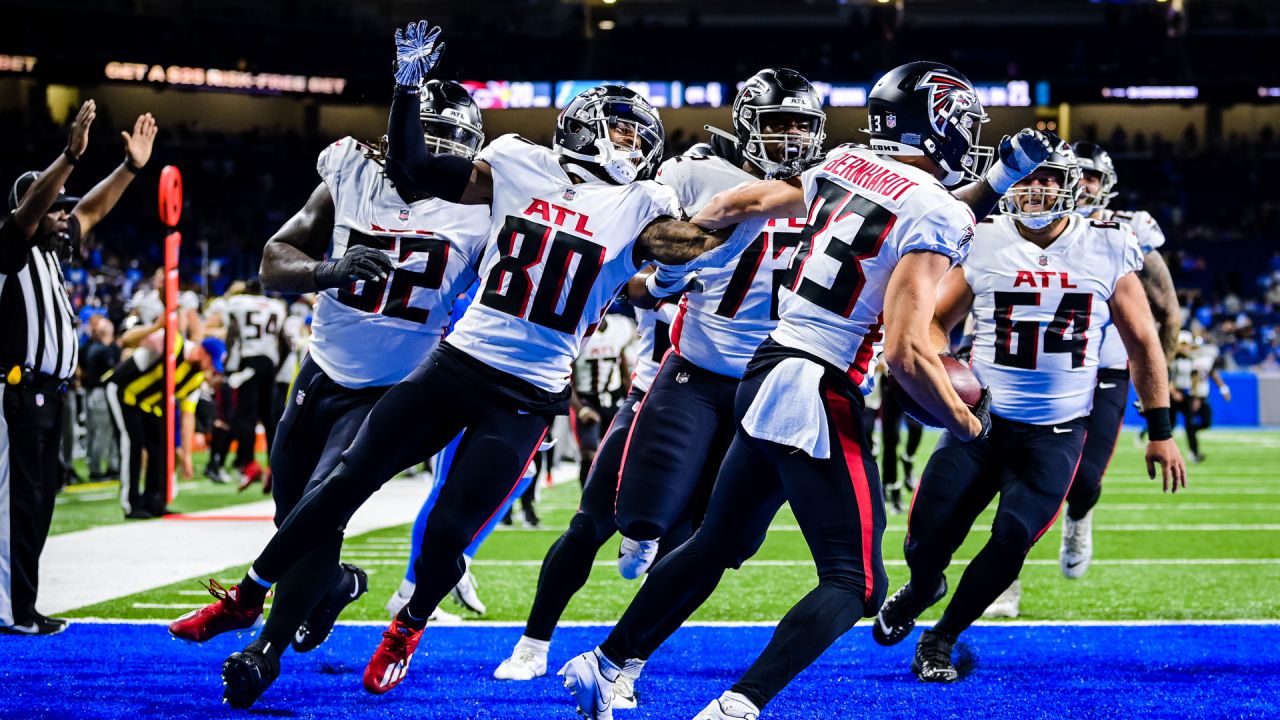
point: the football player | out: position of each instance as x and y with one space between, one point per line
881 232
1043 283
1097 188
599 374
255 325
385 292
684 426
568 228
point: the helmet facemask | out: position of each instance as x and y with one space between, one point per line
976 160
1047 203
1088 202
454 136
792 148
628 138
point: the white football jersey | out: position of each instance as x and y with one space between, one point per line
652 343
1040 314
865 213
148 305
598 368
559 257
721 326
369 334
1204 360
1112 354
260 320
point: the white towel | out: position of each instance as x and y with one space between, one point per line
788 409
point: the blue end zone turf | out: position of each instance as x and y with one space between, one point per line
1113 672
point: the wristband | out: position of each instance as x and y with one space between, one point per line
1159 424
133 169
406 89
1001 177
71 159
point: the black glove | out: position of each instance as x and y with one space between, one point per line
359 263
982 411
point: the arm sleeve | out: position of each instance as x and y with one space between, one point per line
947 230
417 172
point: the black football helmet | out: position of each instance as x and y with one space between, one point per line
1093 159
930 109
451 120
1047 204
583 137
772 92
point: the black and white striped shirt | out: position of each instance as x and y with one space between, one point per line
37 321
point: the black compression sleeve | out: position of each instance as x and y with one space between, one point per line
417 172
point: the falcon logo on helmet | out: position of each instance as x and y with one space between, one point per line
947 94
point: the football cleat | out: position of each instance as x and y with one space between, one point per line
464 593
590 677
897 617
1077 545
249 475
729 706
624 693
224 615
390 662
524 664
635 557
1006 605
932 662
248 673
316 628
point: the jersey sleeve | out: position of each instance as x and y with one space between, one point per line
1127 255
947 229
509 156
1150 236
335 160
674 174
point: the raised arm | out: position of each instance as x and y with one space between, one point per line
416 171
293 259
761 199
44 191
909 348
1131 315
1016 157
103 197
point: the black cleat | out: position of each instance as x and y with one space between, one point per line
316 629
248 673
932 662
897 617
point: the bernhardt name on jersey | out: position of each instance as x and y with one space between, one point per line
869 175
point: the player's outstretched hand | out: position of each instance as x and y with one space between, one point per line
1173 468
359 263
137 146
1018 156
78 136
416 52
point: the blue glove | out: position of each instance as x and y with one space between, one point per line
416 52
665 283
1019 155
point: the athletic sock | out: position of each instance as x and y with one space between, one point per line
266 647
406 618
253 589
540 647
633 668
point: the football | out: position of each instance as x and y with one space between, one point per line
962 379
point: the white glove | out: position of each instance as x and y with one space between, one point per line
1018 156
665 283
416 52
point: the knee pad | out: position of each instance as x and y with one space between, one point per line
1013 535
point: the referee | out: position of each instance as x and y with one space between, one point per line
38 348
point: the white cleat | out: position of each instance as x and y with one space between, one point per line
401 598
730 706
1006 606
464 593
635 557
1077 545
591 677
524 664
624 693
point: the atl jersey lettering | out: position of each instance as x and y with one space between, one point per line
259 320
598 368
719 328
559 255
1112 353
1040 314
652 343
374 333
865 213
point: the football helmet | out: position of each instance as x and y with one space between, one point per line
1048 203
451 120
583 134
930 109
771 92
1092 158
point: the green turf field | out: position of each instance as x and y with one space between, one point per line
1211 553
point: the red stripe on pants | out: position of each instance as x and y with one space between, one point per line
842 415
510 492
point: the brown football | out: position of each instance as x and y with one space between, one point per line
962 379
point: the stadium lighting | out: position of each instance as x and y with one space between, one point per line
607 25
610 2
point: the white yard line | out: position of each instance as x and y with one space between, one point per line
91 566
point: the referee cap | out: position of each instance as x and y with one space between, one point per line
24 183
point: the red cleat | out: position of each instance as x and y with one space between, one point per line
250 475
390 662
266 481
225 615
